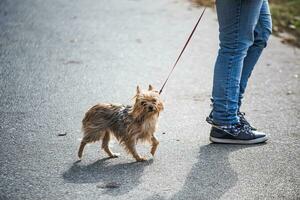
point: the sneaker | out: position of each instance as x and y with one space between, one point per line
209 119
236 134
244 121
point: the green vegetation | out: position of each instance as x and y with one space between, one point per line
209 3
285 16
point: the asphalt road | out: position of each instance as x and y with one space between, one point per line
60 57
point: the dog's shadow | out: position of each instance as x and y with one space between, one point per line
120 178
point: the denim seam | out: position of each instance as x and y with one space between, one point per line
232 55
239 24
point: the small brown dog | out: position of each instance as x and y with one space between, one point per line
129 124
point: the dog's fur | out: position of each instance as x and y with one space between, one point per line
129 124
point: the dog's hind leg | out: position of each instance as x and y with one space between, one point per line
90 135
154 145
82 145
105 147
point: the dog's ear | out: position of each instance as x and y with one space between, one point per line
150 87
138 90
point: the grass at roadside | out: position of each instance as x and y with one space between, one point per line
285 17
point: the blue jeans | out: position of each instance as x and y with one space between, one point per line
244 28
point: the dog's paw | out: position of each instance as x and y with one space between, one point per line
152 152
115 155
141 159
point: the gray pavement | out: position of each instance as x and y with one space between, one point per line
59 57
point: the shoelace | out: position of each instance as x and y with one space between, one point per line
242 117
244 120
247 129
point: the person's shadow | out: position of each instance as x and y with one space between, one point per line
119 178
211 177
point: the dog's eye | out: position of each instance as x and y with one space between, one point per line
143 103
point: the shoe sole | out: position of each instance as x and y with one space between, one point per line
231 141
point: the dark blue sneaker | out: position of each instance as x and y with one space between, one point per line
241 115
244 121
236 134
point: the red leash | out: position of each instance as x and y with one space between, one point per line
182 50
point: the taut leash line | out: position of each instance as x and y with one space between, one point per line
182 50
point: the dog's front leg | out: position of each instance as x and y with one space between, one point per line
131 146
155 143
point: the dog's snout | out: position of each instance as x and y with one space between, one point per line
150 108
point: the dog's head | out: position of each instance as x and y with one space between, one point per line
148 102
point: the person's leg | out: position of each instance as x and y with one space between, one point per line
237 21
262 32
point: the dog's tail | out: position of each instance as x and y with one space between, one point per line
82 145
